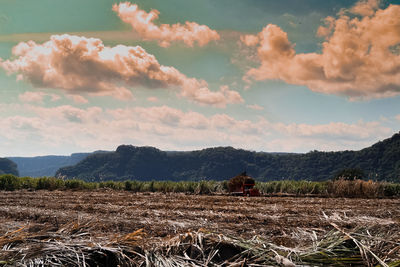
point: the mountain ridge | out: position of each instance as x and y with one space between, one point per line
8 167
381 161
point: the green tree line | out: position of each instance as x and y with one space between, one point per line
380 162
334 188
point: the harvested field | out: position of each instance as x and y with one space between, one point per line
158 227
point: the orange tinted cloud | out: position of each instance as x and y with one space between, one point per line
85 65
143 23
249 39
360 55
365 7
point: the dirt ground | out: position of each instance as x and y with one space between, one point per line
284 220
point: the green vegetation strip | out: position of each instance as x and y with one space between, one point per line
337 188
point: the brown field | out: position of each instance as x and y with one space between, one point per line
109 215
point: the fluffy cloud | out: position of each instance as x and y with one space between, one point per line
365 7
37 97
255 107
68 128
143 23
249 39
152 99
360 55
78 99
85 65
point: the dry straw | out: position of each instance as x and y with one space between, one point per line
73 244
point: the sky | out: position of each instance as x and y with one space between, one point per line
274 76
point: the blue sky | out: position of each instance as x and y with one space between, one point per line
305 82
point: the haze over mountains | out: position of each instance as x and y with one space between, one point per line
380 161
45 165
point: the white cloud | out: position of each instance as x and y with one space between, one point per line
80 65
152 99
38 97
78 99
67 128
143 23
255 107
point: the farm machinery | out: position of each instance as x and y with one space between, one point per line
243 185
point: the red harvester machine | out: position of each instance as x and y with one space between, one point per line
243 185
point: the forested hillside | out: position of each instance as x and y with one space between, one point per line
8 167
379 162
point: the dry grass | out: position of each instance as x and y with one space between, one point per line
356 188
110 228
70 245
73 244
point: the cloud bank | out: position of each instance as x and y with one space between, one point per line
67 128
143 23
85 65
360 56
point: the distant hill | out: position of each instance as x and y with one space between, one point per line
8 167
379 162
46 165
